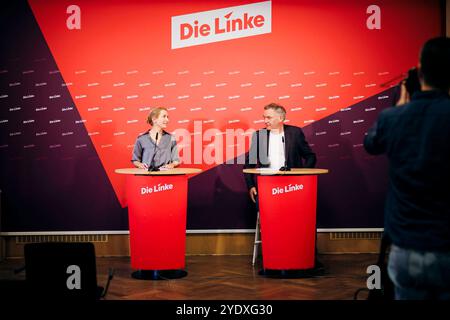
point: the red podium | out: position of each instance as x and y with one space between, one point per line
157 204
287 211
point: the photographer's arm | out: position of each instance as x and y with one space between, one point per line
374 142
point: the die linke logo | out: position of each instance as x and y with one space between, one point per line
157 188
287 189
222 24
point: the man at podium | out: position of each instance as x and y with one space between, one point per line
156 148
278 146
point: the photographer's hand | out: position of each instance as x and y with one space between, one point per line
404 95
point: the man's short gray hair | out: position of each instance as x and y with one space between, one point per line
277 108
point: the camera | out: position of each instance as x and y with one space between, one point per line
412 82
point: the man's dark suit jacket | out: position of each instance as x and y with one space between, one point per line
296 149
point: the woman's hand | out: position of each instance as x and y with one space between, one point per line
171 165
168 166
140 165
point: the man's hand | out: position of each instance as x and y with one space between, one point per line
253 194
404 95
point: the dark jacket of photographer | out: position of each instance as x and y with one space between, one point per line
416 140
297 149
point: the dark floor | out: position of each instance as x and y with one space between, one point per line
228 278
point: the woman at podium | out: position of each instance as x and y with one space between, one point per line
156 149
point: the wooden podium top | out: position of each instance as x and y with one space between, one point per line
294 171
170 172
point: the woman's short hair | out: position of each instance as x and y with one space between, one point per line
154 114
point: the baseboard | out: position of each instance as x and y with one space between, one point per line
201 244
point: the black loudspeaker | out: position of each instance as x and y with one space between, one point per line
61 271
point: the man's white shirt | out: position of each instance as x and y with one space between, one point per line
276 150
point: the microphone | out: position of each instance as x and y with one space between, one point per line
285 167
152 166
